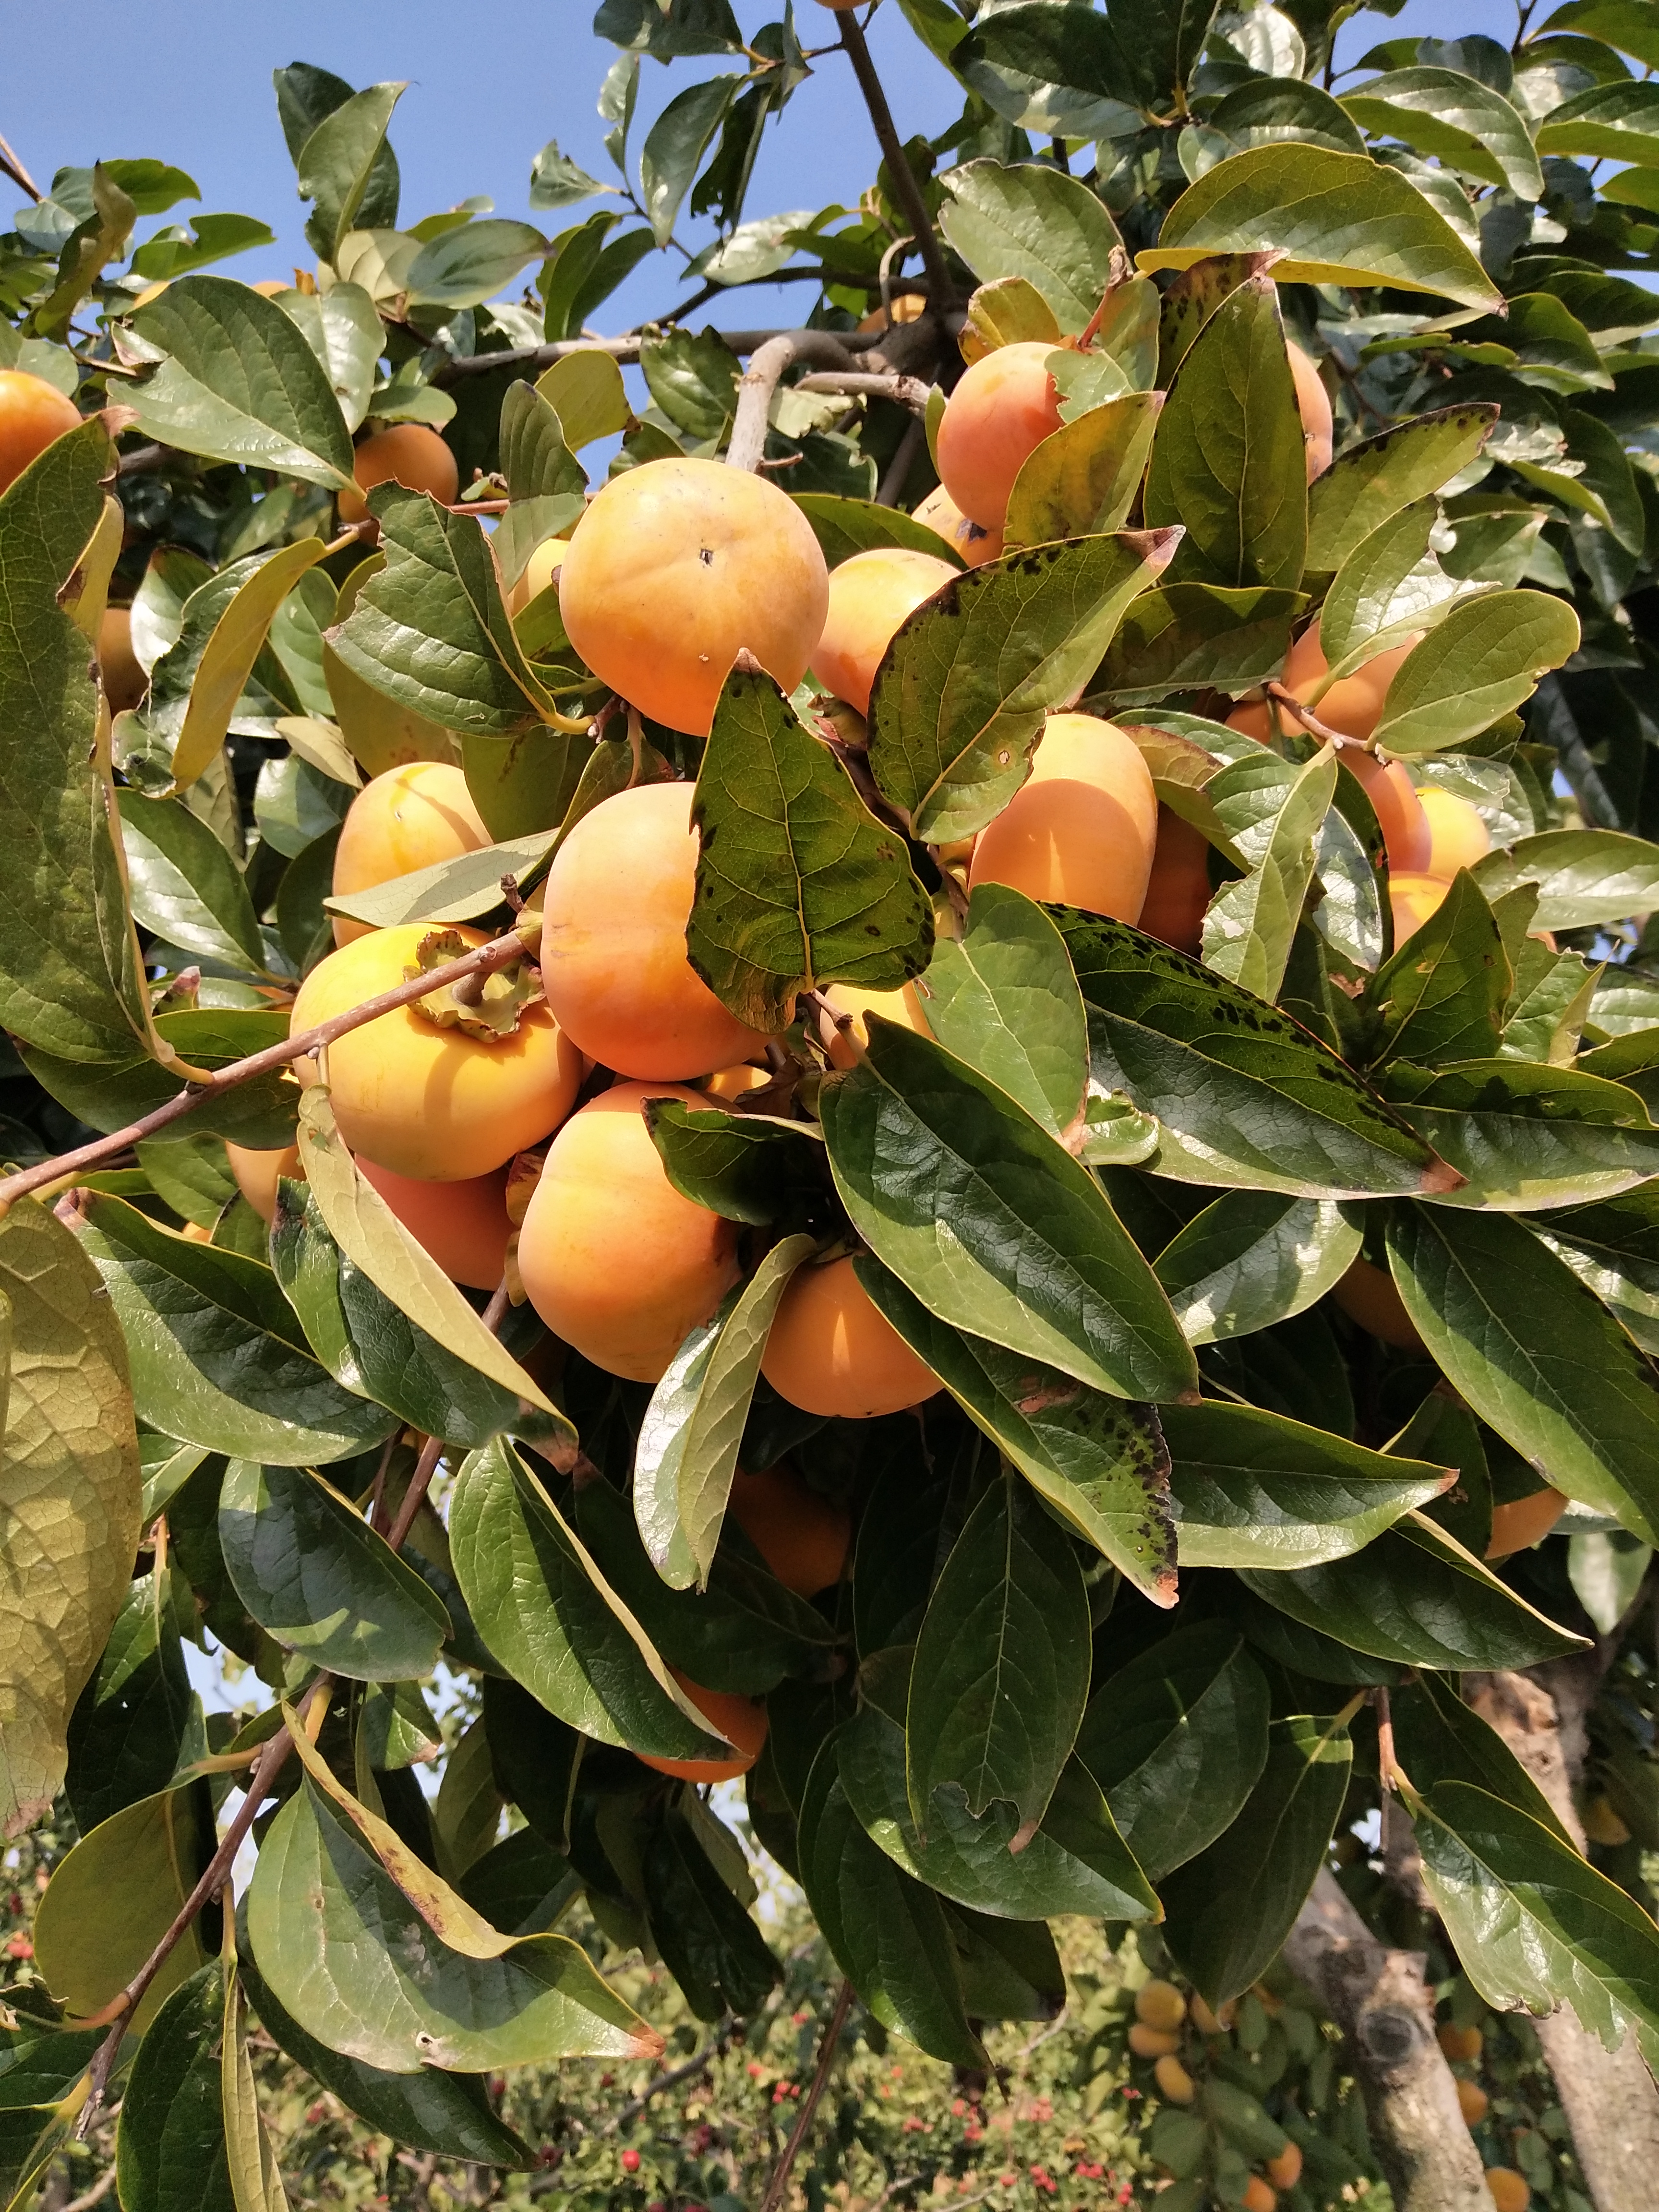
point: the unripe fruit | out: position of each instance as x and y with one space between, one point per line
1458 837
464 1225
802 1537
1603 1825
975 543
678 566
257 1174
1151 2042
1161 2005
1175 2085
1082 828
1473 2102
741 1721
1178 888
1516 1526
831 1351
1258 2196
846 1047
614 1258
540 570
1368 1296
1313 404
1000 412
122 671
870 595
427 1102
1463 2046
1285 2171
614 964
31 414
1507 2190
408 453
409 817
1413 900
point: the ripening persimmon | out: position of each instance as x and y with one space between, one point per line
409 818
540 570
846 1047
1258 2196
31 414
1082 829
1507 2190
1178 888
464 1225
741 1721
729 1083
1367 1294
1413 898
1463 2046
1175 2084
1520 1522
1473 2102
122 674
905 307
1458 836
424 1100
870 596
1313 404
614 963
1160 2004
1151 2042
802 1537
679 566
258 1172
972 540
1000 412
409 454
1603 1825
1285 2170
832 1351
614 1258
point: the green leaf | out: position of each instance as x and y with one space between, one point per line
178 249
746 1167
1446 112
557 181
1441 997
1010 312
1249 927
73 1499
114 1896
449 891
1389 590
1084 478
1030 218
1098 1462
541 1605
256 2184
1004 999
1537 1355
69 978
676 143
845 526
1415 1596
798 885
1177 1740
1528 1137
110 1093
185 885
347 1954
534 458
1610 1246
1226 461
1243 1095
1337 218
995 1228
1583 876
586 391
464 267
1617 122
1184 637
1476 666
1252 1258
960 697
338 161
1623 23
237 382
128 1733
218 1356
170 2145
708 1941
1266 109
1365 486
694 380
1252 1489
1437 1738
688 1437
1228 1911
1142 53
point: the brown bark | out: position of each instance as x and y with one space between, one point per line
1608 2096
1379 2001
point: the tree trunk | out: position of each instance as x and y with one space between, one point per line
1608 2096
1378 1998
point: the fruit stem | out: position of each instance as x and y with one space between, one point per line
809 2103
941 292
1311 721
482 960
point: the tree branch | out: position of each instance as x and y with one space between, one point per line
910 390
809 2104
482 960
19 175
760 380
941 292
624 348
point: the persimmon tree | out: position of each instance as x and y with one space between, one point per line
1135 1351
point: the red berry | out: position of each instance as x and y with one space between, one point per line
630 2159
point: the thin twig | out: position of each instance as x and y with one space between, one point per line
482 960
1311 721
941 292
910 390
809 2103
19 175
99 2191
433 1450
673 2080
904 457
143 460
622 349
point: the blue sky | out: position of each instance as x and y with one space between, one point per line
489 86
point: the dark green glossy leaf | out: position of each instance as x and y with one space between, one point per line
708 1942
1252 1258
748 1167
1003 998
185 885
1249 927
1029 219
1617 122
1184 637
339 161
1466 124
1442 996
132 1725
1370 482
170 2146
1528 1137
1476 666
1134 52
1583 876
1437 1739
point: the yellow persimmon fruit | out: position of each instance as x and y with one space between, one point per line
1285 2171
1083 828
802 1537
409 818
1366 1294
727 1082
1258 2196
1313 404
408 453
429 1102
1151 2042
846 1047
123 673
679 566
831 1351
1413 898
1178 888
1523 1521
31 414
543 566
907 306
257 1173
1473 2102
614 963
464 1225
1000 412
614 1258
1160 2004
1603 1825
870 595
1507 2190
1461 2045
1458 837
741 1721
972 540
1175 2085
